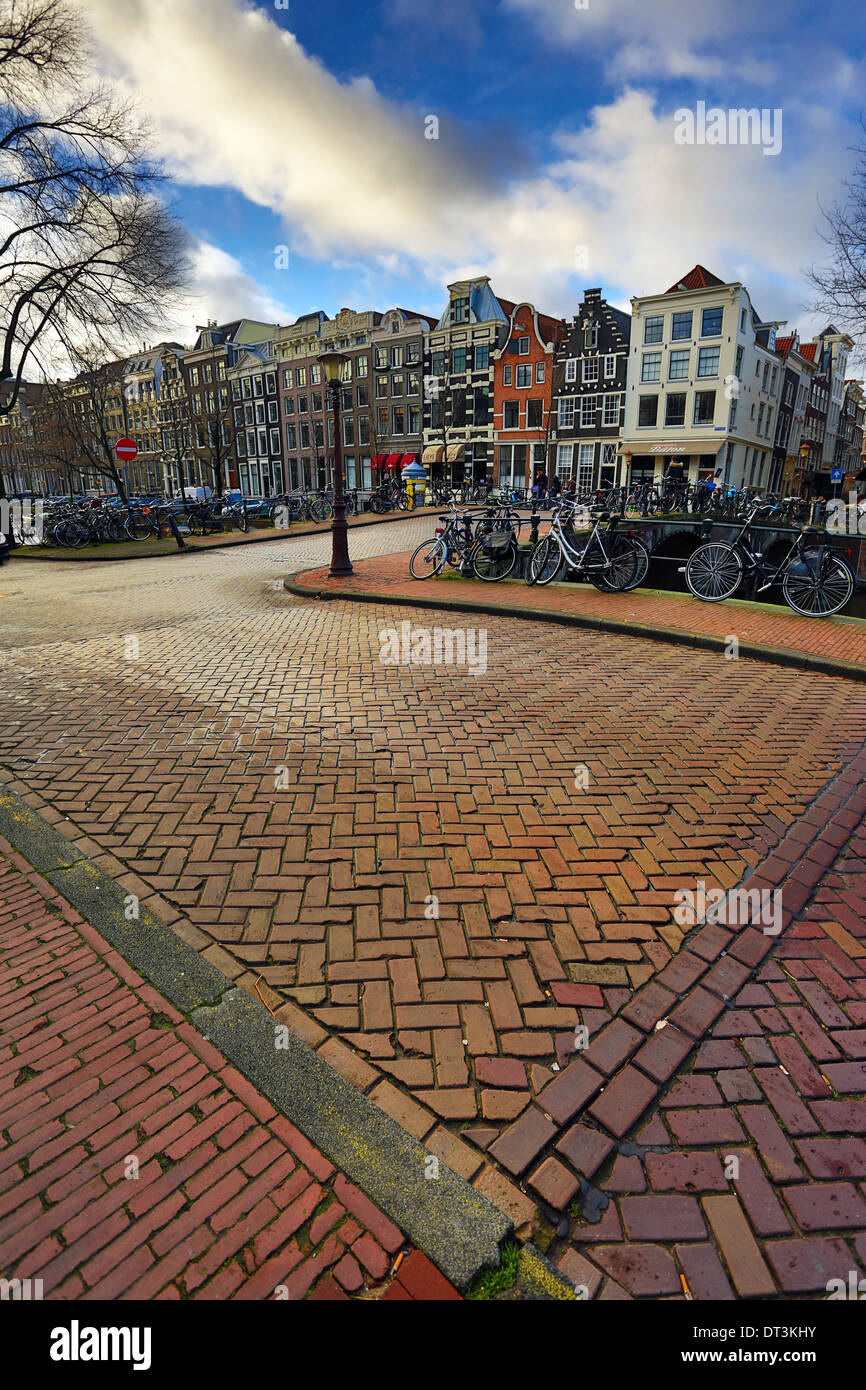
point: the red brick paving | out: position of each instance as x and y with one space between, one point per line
742 1179
97 1070
839 639
408 782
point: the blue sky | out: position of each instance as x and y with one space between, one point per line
555 166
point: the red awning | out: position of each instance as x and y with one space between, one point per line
407 459
393 460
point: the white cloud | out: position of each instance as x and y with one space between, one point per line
240 104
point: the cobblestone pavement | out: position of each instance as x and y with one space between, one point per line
227 1200
405 854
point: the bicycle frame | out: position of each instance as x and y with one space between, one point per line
577 559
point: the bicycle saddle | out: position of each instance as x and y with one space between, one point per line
601 516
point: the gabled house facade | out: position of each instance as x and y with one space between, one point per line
523 384
459 427
592 369
703 385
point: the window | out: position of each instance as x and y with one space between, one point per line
708 361
587 411
565 418
705 407
511 415
678 364
585 456
257 386
414 420
208 372
773 382
571 369
534 414
362 396
460 310
437 362
610 411
288 405
413 354
361 365
481 404
675 408
382 421
766 376
610 366
761 419
458 408
275 441
273 413
789 392
263 441
681 325
540 372
413 386
523 347
482 357
738 365
590 369
564 456
523 377
732 413
590 335
743 320
381 358
381 386
651 366
291 436
397 383
653 329
507 376
711 323
193 376
459 361
647 413
396 353
305 435
316 374
769 421
399 420
302 376
302 405
270 383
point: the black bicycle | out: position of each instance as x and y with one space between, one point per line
814 579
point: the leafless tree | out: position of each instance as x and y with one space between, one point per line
79 412
87 251
840 282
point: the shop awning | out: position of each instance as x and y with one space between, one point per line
684 447
393 460
434 453
406 459
455 453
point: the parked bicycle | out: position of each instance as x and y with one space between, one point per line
610 560
814 579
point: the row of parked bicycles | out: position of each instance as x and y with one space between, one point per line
83 521
597 545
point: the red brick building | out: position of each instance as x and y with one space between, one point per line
523 389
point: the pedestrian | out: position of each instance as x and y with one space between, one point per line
555 486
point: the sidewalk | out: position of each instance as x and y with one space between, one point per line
136 1163
745 1180
836 645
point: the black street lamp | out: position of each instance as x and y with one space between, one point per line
332 369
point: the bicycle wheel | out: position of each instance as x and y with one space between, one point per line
642 560
817 584
428 558
619 574
74 534
325 509
492 565
714 572
241 520
545 561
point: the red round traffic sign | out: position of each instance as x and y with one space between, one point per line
126 449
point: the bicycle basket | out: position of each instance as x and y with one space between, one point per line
496 541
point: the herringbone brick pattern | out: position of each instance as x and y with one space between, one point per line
294 807
746 1180
135 1163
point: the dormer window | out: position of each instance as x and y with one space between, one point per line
590 335
460 310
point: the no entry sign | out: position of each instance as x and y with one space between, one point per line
126 449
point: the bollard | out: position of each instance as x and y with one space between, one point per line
534 520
